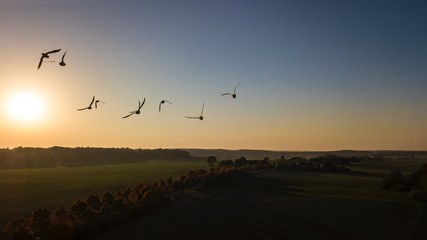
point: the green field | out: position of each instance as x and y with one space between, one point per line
310 204
23 190
291 204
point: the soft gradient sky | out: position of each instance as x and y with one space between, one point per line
315 75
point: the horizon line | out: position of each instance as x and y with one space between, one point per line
225 149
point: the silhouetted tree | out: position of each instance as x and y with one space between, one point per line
211 161
327 166
107 199
40 221
79 207
63 225
169 181
265 161
94 202
414 178
19 228
419 192
394 181
119 203
240 162
225 163
133 197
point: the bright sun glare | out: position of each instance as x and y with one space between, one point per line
25 107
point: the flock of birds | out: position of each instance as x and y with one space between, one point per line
138 111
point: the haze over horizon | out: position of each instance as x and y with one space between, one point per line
315 76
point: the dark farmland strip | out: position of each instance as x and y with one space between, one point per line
275 205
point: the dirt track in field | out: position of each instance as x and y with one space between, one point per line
269 205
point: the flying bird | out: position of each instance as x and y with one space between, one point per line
162 102
201 113
62 63
96 103
46 55
137 111
234 95
90 105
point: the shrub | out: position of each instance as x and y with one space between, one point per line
63 225
240 162
419 192
107 199
224 163
119 203
414 179
78 207
19 229
394 181
211 161
94 202
40 221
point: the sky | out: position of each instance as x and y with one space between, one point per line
314 75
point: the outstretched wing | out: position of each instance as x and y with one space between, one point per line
236 87
54 51
64 56
203 107
40 62
93 99
160 106
225 94
128 115
96 103
168 101
142 104
82 109
192 117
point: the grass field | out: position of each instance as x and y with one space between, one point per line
290 204
286 204
23 190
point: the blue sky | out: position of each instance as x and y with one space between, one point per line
315 75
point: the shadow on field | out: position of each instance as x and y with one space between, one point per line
266 184
253 207
281 205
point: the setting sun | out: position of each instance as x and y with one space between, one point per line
25 107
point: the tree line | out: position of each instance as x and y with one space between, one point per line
26 157
329 162
415 183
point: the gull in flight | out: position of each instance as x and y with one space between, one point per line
234 95
62 63
162 102
46 55
90 105
201 114
96 103
137 111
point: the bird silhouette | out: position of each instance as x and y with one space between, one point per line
46 55
90 105
201 113
62 63
162 102
234 95
137 111
96 103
